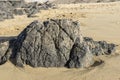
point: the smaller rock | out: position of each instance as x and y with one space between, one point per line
3 49
17 3
107 48
19 11
100 47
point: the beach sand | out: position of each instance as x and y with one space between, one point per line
99 21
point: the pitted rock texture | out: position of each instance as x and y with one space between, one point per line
34 7
6 44
10 7
53 43
80 55
5 10
100 47
46 44
3 50
56 43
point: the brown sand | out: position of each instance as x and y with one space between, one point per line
100 21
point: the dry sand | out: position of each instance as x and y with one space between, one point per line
100 21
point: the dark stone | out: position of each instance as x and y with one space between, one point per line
100 47
107 48
80 56
53 43
35 7
10 7
3 49
5 10
46 44
17 3
19 11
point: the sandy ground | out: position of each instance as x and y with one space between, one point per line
100 21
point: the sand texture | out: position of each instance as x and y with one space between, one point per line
99 21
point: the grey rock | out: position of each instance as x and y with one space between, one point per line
80 56
10 7
34 7
3 49
46 44
100 47
6 44
5 10
56 43
107 48
19 11
53 43
17 3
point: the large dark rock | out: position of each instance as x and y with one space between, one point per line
46 44
56 43
31 8
53 43
7 8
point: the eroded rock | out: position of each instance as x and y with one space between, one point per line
6 45
100 47
53 43
46 44
9 8
3 50
80 55
5 10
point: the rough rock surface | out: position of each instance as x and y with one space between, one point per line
100 47
10 7
5 10
46 44
17 3
3 49
35 7
80 55
6 44
53 43
18 11
56 43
